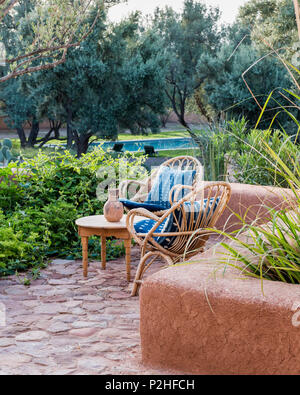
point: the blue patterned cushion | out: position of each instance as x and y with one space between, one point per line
166 226
198 211
169 225
146 225
148 206
166 179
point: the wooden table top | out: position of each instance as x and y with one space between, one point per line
98 221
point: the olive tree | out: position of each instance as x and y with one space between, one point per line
187 37
38 34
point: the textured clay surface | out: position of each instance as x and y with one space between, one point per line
198 318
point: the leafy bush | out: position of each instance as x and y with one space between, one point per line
271 251
41 199
233 143
18 249
10 192
218 144
256 167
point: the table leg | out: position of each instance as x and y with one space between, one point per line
127 244
103 252
85 243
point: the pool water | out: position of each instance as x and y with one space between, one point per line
158 144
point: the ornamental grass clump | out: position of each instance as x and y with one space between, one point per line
272 251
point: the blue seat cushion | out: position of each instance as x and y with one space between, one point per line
166 179
198 210
166 226
153 207
169 225
146 225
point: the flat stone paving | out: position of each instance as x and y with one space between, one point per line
65 324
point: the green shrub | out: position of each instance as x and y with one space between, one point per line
234 143
11 192
40 202
271 251
19 249
218 144
255 167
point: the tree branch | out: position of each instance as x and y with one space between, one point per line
297 12
6 8
29 70
69 31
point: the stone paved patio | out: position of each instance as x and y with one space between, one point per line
64 324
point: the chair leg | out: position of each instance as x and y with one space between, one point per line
142 268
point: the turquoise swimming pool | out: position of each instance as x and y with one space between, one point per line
158 144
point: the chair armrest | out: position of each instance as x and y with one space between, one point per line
212 190
149 237
138 212
176 190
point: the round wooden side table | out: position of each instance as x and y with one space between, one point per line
97 225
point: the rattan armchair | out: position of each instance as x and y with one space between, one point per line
143 187
191 233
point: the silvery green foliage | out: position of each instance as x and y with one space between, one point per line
187 36
5 152
115 79
42 28
225 89
273 25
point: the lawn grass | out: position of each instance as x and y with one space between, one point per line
172 153
29 153
179 152
161 135
32 152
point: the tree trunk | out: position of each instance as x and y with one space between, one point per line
201 107
181 114
54 127
56 131
82 147
81 142
35 127
22 136
46 138
70 136
164 119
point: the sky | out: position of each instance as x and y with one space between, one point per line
229 8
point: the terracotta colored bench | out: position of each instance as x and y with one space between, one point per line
198 319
